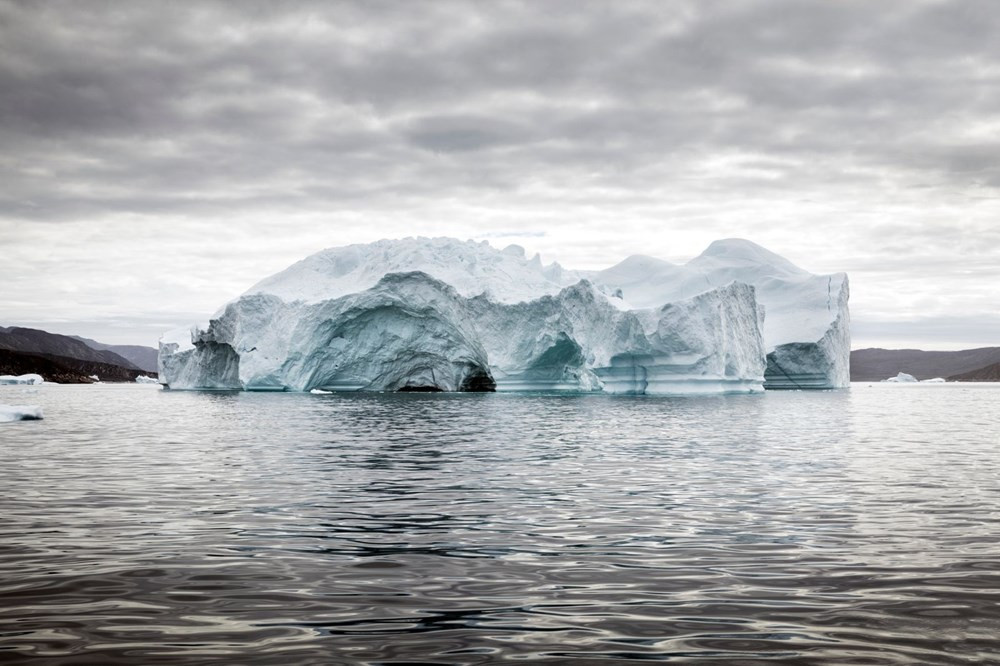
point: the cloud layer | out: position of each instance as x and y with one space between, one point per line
159 158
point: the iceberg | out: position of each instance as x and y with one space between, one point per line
446 315
21 379
901 378
143 379
10 413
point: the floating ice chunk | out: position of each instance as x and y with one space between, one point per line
21 379
95 378
143 379
935 380
10 413
320 392
902 378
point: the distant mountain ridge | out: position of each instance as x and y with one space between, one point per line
63 369
69 359
141 357
878 364
990 373
36 341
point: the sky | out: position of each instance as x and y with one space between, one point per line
157 159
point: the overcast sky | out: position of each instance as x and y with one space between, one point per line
157 159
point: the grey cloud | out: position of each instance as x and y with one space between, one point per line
849 128
452 133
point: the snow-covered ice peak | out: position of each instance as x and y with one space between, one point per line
743 254
472 268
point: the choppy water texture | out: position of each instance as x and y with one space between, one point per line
853 527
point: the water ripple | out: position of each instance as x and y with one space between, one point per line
140 526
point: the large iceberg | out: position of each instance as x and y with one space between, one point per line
441 314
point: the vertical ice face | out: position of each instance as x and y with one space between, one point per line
441 314
806 317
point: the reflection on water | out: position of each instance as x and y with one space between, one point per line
852 527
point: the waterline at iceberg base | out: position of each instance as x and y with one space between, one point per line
446 315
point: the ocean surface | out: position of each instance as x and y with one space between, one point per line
140 526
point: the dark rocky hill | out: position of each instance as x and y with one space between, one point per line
35 341
877 364
990 373
63 369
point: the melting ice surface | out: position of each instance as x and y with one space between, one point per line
846 527
441 314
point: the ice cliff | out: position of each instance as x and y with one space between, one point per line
441 314
806 324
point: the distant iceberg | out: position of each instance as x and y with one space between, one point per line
10 413
901 378
21 379
143 379
441 314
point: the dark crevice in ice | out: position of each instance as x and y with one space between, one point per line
478 381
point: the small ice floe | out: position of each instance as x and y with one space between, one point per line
19 413
95 378
143 379
901 378
319 392
935 380
21 379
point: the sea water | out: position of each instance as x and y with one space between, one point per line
142 526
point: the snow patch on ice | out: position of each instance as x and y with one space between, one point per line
469 267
